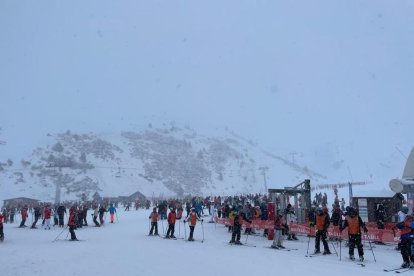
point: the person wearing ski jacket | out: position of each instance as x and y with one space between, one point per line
37 215
61 211
290 217
102 211
95 215
72 222
192 221
406 229
322 224
47 214
172 217
112 212
354 223
278 227
23 212
237 225
154 222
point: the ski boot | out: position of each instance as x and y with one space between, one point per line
238 243
274 246
405 265
317 251
281 246
351 257
361 258
231 241
294 237
327 252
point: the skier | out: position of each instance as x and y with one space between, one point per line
354 223
37 215
406 227
72 222
192 220
102 211
278 226
112 212
172 216
47 214
237 224
1 227
61 211
290 218
23 212
95 215
154 222
85 214
322 224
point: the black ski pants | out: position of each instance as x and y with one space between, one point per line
96 221
154 226
235 236
61 221
321 234
355 241
171 228
191 232
72 232
35 221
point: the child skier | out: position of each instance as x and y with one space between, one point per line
322 224
154 222
47 214
278 226
192 220
354 223
23 212
237 225
112 212
172 216
406 227
72 222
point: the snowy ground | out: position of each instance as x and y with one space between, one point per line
123 248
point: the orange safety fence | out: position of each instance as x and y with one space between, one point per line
387 235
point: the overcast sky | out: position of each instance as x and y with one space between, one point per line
309 76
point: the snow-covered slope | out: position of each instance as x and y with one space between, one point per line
123 248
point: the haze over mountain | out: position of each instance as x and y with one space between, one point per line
326 84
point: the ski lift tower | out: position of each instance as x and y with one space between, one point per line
303 190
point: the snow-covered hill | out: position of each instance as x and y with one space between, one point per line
168 161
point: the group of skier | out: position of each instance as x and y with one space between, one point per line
172 218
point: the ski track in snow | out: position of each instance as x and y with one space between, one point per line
123 248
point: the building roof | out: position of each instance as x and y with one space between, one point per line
374 193
21 199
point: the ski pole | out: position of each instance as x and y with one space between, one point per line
59 234
333 245
202 229
307 251
67 235
372 250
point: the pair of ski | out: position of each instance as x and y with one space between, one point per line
282 249
241 244
398 270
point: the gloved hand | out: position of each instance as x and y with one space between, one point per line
365 229
202 220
